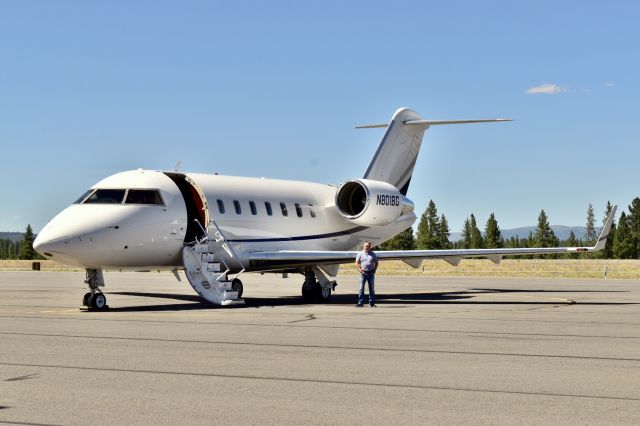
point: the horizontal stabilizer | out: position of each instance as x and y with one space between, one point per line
435 122
373 126
443 122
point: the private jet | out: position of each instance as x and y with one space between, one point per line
216 227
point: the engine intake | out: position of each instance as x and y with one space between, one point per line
370 202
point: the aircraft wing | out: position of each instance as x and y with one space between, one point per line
293 258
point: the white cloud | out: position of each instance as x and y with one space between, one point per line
546 89
608 84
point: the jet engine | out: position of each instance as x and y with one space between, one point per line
371 203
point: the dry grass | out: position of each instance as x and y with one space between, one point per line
561 268
557 268
27 265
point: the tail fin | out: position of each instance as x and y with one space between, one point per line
398 151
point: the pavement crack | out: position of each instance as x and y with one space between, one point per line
308 317
25 377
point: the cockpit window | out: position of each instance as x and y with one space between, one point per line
83 197
106 196
144 196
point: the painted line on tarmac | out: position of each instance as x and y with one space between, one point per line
330 347
328 382
332 327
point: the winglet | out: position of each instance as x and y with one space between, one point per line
604 234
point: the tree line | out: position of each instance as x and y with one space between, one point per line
19 249
433 234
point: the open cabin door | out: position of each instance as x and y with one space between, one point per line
196 204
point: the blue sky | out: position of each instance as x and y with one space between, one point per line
88 89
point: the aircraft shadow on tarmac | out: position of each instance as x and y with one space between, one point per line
382 299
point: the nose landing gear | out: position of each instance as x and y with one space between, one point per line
95 299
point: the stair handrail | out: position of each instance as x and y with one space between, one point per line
226 246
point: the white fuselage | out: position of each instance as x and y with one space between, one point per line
142 235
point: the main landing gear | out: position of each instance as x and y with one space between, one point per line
95 299
316 287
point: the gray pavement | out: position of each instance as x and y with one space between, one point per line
435 351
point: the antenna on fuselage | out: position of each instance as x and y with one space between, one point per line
176 168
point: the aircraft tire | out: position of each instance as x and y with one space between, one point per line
323 294
309 293
236 285
86 300
99 301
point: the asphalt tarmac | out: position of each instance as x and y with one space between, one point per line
435 351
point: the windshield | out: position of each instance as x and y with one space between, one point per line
144 196
83 197
106 196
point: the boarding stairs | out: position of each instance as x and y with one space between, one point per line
207 265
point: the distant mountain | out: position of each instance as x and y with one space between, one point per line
561 231
13 236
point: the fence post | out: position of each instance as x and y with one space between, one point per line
606 267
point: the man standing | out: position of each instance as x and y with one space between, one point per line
367 263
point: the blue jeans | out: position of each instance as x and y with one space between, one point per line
370 278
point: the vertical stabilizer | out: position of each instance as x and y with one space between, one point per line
396 156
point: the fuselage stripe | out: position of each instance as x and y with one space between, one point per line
300 237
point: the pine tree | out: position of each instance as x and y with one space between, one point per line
572 241
402 241
622 243
466 234
407 240
513 242
633 220
492 237
26 246
544 236
591 226
427 238
443 233
476 235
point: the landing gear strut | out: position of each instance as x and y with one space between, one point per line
95 299
316 287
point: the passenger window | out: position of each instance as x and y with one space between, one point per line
283 207
298 210
83 197
236 204
312 210
267 205
220 206
144 196
252 206
106 196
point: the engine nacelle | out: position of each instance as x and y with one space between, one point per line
370 202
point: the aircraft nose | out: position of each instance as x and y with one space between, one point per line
47 244
66 238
